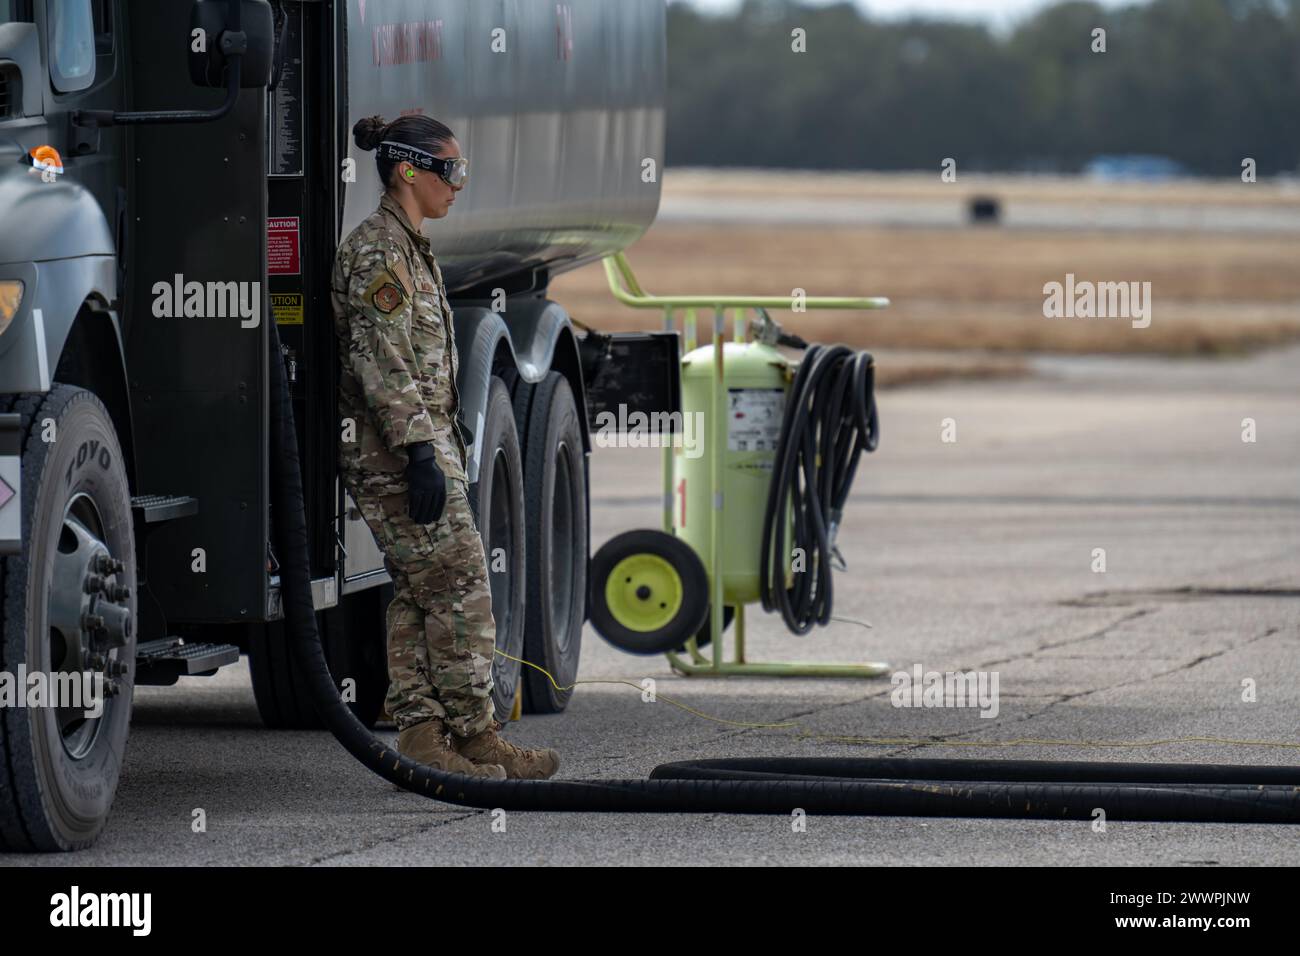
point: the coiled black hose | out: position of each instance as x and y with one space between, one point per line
898 787
830 420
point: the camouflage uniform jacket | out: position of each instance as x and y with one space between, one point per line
397 353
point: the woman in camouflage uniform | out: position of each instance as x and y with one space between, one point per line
403 458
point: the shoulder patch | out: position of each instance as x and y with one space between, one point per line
387 298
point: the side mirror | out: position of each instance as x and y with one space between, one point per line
212 22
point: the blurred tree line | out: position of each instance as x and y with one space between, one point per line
1205 82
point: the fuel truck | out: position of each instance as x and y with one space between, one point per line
175 178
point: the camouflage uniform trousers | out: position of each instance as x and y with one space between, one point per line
441 633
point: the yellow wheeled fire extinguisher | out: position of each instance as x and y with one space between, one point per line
753 491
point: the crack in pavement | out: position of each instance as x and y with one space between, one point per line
1066 698
731 733
1052 645
1172 595
939 739
1200 659
419 831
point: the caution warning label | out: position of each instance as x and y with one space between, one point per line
282 246
287 307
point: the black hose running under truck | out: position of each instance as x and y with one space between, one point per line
163 202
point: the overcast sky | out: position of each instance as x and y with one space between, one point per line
1000 12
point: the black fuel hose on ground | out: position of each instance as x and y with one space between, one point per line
830 420
980 788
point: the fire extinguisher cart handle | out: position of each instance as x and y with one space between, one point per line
625 288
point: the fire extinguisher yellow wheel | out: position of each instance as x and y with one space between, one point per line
643 592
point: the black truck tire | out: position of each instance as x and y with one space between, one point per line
58 769
354 634
498 498
555 496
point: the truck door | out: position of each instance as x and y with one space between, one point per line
196 240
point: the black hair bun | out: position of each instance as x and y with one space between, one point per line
369 132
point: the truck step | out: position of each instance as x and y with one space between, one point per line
162 661
154 508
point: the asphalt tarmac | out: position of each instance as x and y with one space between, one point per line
978 553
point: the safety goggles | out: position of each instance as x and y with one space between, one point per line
453 171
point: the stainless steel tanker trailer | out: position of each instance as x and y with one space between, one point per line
162 202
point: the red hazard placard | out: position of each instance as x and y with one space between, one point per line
282 246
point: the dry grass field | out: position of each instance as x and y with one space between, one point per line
973 290
870 185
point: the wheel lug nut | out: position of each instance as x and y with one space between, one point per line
95 583
107 564
121 593
92 622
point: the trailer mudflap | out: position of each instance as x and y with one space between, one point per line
11 506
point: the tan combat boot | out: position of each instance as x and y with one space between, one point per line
520 764
426 743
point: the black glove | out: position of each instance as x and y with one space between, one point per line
428 487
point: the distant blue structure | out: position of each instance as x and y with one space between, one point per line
1134 166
